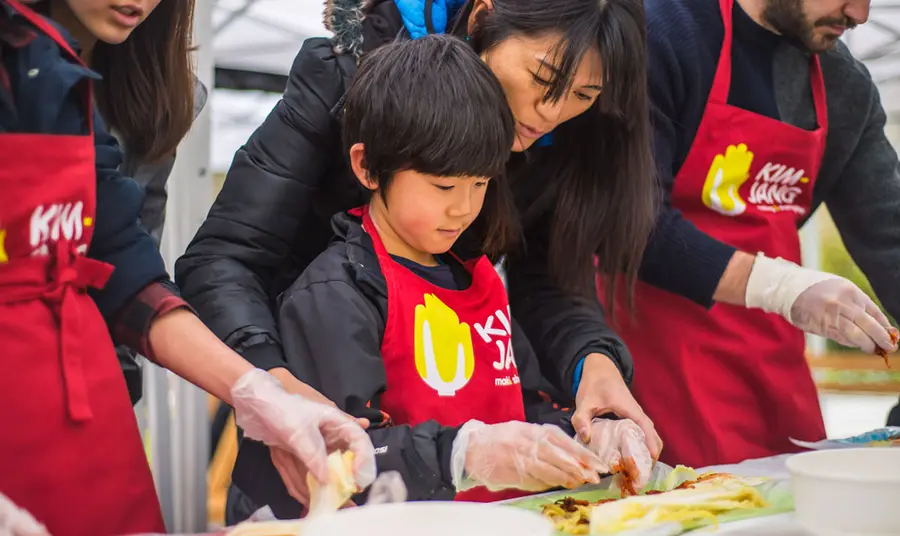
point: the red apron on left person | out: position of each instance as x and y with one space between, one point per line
71 452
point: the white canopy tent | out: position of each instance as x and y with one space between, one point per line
263 36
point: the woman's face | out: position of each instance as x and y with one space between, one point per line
111 21
523 65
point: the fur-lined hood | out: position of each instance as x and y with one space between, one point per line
344 18
362 25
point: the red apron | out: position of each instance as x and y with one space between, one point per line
447 354
71 452
727 384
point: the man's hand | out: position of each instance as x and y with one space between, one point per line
819 303
602 391
15 521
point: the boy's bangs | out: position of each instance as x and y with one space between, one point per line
462 139
429 105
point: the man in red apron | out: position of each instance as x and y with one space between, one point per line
72 454
747 148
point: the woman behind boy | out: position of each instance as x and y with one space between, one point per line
394 327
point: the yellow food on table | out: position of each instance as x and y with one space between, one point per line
684 498
341 485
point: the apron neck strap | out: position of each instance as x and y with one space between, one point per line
722 81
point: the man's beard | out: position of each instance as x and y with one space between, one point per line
788 19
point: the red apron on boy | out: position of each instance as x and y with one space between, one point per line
447 353
728 384
71 452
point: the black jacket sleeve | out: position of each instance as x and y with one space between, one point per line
539 398
228 270
562 328
332 338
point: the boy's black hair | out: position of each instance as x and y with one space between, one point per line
431 105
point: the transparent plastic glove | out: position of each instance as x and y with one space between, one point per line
306 429
519 455
622 449
15 521
387 488
820 303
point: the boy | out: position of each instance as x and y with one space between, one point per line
394 327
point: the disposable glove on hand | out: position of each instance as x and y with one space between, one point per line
15 521
519 455
622 449
306 429
820 303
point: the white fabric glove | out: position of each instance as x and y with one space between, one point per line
622 449
15 521
819 303
519 455
309 430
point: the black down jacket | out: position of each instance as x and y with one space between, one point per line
272 217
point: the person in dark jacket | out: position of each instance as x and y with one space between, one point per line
78 272
396 328
573 67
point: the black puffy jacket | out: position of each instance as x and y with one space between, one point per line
271 218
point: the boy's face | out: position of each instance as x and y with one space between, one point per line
422 215
427 213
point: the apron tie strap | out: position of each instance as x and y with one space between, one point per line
53 280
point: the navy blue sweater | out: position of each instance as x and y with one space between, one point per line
685 38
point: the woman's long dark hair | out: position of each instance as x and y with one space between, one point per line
601 162
147 91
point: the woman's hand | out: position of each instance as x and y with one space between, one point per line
305 429
622 448
520 455
602 391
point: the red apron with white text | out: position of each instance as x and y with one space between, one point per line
727 384
71 452
447 353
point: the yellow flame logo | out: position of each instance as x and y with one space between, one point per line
444 355
726 175
4 258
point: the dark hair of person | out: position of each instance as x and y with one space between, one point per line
432 106
603 175
147 91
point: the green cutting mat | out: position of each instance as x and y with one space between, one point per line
776 493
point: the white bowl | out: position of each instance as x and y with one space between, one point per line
430 518
847 491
